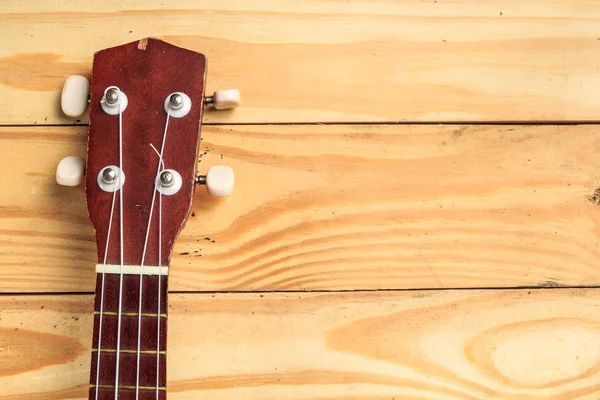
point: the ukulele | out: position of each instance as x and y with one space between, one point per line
145 106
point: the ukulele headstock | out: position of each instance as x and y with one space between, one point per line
146 102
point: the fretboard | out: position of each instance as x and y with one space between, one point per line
107 349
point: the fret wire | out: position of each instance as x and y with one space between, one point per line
126 387
162 352
129 314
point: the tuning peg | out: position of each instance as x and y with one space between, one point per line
219 180
224 99
70 171
74 97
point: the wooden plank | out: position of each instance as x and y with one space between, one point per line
334 207
523 344
322 60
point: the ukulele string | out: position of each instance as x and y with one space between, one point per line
112 210
162 148
160 162
159 294
118 352
159 278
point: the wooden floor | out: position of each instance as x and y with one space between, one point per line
412 216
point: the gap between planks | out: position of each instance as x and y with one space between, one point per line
355 123
333 291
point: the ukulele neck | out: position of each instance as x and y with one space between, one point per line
119 347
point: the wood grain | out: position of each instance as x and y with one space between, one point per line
523 344
335 207
383 60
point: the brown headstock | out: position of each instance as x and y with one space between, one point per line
124 146
147 72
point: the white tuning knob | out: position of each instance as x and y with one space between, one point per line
70 171
219 180
224 99
74 97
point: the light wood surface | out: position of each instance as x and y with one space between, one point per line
524 344
329 208
460 60
334 207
